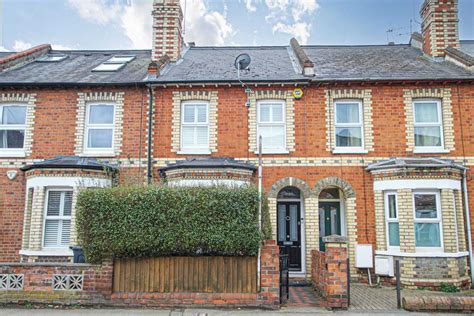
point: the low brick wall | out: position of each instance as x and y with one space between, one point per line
55 283
458 304
329 272
85 284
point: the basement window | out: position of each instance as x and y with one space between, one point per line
115 63
50 58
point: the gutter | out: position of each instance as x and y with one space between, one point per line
468 225
150 127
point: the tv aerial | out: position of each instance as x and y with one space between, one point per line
242 62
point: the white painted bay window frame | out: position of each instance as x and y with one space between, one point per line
105 151
391 220
439 124
61 217
437 220
13 152
349 149
272 123
199 150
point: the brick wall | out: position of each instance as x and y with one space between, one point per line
56 283
329 272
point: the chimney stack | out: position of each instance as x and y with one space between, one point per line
439 27
167 29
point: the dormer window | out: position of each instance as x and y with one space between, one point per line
115 63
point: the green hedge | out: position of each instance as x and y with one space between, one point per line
162 221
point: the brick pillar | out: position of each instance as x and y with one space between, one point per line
336 274
269 295
167 29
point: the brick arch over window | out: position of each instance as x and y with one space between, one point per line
334 182
290 182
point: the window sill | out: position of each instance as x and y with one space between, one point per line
98 154
274 152
12 154
194 152
433 254
349 151
52 252
430 151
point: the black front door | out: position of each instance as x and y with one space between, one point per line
289 232
329 221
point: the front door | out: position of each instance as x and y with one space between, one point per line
289 232
329 221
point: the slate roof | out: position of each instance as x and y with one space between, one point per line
71 162
381 62
210 163
467 47
77 69
204 64
427 162
269 64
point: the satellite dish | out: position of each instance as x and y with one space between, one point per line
242 61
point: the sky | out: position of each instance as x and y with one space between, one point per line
126 24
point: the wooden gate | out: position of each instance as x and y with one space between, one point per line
186 274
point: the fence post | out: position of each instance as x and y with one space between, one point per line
397 272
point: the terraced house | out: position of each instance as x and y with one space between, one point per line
374 142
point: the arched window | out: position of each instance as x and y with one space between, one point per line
329 194
289 193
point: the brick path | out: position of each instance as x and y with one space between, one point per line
365 298
302 296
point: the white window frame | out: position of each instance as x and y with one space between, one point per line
205 150
61 217
351 149
94 150
437 220
14 152
282 150
389 220
428 149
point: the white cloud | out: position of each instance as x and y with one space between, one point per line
98 11
250 5
3 49
203 26
60 47
300 30
206 27
281 9
20 45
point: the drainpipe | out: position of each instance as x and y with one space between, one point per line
468 225
150 127
259 203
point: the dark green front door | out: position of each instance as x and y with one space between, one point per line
329 221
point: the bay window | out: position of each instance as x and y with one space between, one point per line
195 127
392 222
428 125
427 220
57 219
12 127
271 126
349 124
100 128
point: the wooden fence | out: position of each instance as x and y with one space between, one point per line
186 274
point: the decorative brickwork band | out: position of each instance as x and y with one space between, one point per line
28 99
365 96
442 94
115 98
178 98
285 95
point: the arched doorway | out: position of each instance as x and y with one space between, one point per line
290 235
331 214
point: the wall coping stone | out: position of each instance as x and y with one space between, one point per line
49 264
335 239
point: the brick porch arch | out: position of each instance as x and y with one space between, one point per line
349 202
289 182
